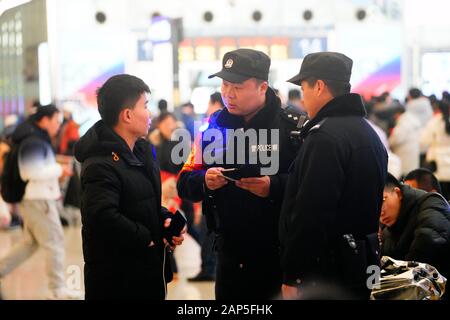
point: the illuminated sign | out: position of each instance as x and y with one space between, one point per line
205 49
300 47
278 48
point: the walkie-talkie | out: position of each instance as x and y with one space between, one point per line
295 135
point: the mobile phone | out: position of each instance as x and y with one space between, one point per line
246 171
232 174
176 226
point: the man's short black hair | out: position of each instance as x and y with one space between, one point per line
392 182
425 179
163 116
294 94
117 93
415 93
162 105
44 111
216 97
337 88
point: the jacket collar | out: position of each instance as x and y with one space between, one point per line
261 120
346 105
101 140
133 158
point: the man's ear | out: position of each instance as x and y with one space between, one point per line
125 115
263 87
319 87
398 192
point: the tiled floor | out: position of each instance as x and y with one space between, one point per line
29 280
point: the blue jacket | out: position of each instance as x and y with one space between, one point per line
237 215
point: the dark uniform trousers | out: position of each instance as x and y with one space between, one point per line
248 278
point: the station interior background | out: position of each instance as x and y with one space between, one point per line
61 51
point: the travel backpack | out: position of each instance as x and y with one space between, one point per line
12 185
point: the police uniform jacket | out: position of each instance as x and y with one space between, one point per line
247 224
335 187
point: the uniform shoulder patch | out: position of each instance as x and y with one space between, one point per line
317 126
292 115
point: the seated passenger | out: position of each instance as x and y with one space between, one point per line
416 226
423 179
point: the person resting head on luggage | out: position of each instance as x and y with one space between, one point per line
416 225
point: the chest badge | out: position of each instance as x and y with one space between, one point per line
115 157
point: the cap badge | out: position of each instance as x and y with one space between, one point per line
229 63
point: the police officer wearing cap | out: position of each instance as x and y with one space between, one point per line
329 220
244 213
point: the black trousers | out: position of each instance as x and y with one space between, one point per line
445 186
247 278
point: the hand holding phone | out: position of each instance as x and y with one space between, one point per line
177 223
232 174
246 171
214 179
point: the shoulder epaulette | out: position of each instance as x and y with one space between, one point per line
317 126
292 115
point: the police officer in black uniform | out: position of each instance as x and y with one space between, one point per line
329 221
244 213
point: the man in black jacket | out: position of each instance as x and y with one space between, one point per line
243 212
333 197
123 245
416 226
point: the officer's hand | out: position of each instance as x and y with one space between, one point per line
257 186
290 292
177 241
214 179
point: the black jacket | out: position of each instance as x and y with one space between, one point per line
422 230
28 129
335 188
34 142
164 156
238 216
121 215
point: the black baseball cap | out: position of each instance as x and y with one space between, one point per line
325 65
242 64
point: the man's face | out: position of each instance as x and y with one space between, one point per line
310 100
140 117
390 210
244 98
167 127
51 124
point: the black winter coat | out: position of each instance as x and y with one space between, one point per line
335 188
237 215
122 217
422 230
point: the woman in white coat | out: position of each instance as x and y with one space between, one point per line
436 136
404 141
